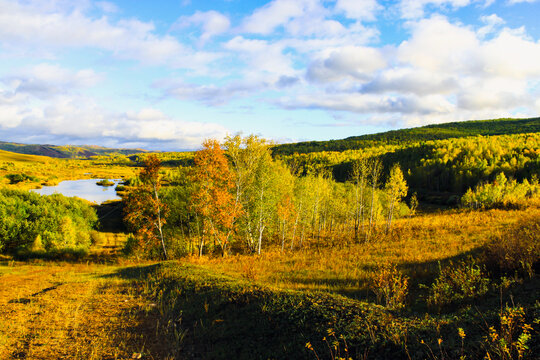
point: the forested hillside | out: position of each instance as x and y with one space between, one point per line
444 169
413 135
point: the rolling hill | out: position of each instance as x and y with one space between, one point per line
67 151
7 156
418 134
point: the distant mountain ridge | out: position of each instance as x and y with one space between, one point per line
418 134
65 151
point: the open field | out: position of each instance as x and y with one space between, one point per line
74 311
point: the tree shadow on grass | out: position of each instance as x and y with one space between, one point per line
421 275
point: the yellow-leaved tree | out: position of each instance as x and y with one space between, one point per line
213 200
144 212
396 188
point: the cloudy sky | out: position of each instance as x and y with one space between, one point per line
165 75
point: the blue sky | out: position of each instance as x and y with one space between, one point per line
165 75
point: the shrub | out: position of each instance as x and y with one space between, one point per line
464 281
511 339
53 223
390 286
105 182
17 178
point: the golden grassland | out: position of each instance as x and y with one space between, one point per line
50 171
415 245
74 311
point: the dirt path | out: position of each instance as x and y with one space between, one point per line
74 311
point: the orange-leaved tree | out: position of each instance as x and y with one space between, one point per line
144 212
213 200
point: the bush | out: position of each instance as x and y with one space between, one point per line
105 182
52 223
17 178
502 193
511 340
390 287
455 283
516 249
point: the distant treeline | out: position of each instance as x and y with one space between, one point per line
419 134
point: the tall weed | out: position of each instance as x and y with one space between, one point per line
459 282
390 286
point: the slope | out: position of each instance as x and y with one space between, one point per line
419 134
6 156
67 151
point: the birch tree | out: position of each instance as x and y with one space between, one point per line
375 173
359 178
396 188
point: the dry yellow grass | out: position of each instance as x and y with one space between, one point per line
73 311
415 245
50 171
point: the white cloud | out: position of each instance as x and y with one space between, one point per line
276 13
441 47
492 22
521 1
208 94
299 18
31 28
107 6
359 9
212 22
151 125
437 45
497 93
444 71
406 80
42 104
347 62
46 80
414 9
314 54
368 103
265 60
73 119
511 54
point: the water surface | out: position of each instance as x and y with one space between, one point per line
84 189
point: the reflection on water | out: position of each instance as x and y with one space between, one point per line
84 189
